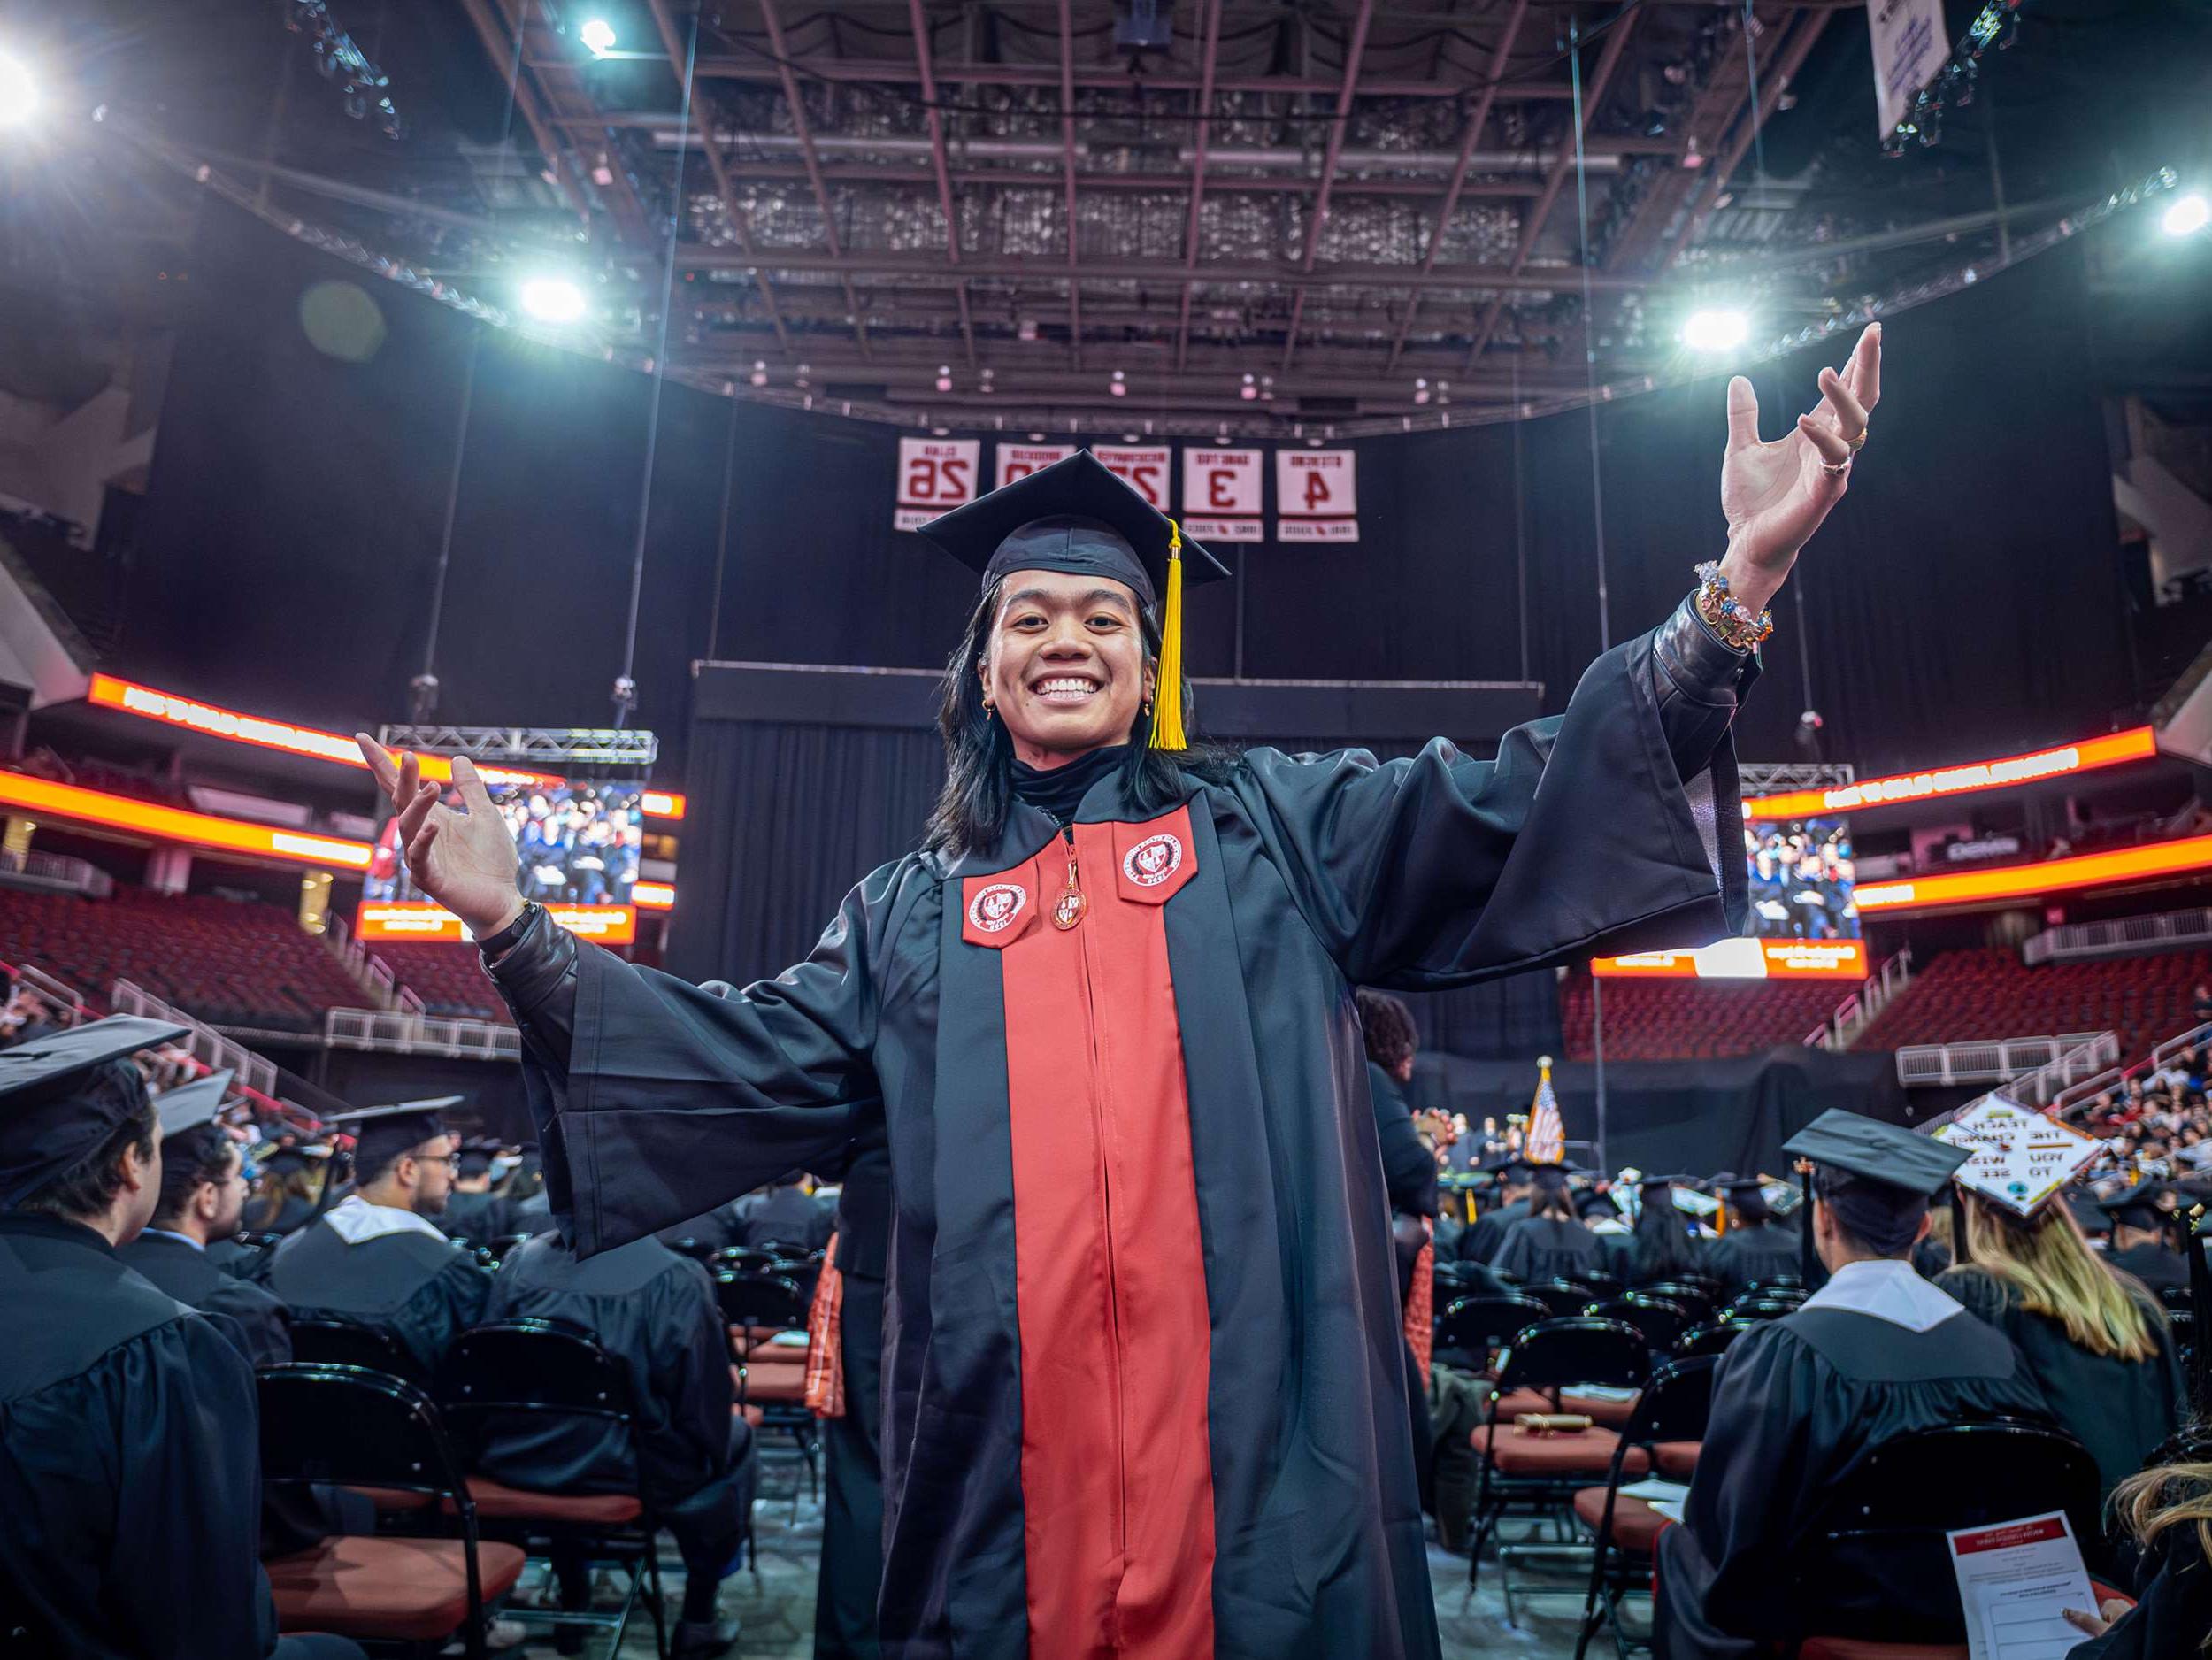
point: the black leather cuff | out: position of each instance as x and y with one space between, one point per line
1702 664
535 969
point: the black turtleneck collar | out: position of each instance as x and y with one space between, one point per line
1058 793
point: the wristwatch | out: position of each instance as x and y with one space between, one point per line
499 944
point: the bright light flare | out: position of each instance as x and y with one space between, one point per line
18 92
2188 216
553 300
597 34
1716 331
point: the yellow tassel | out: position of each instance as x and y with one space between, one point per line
1167 694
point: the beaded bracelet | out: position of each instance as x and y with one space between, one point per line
1727 616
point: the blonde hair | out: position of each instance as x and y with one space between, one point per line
2173 1496
2047 1261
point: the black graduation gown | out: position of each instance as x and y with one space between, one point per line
654 1313
1798 1402
1144 1387
1408 1167
420 1289
2154 1265
2173 1608
1755 1251
130 1477
852 1453
1479 1243
478 1217
2120 1410
234 1257
1544 1248
784 1216
262 1323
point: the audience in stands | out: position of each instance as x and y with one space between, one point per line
376 1257
686 1454
26 1019
2095 1342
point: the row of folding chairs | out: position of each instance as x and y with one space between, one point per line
450 1540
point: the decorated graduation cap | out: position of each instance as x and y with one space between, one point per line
64 1093
1077 517
188 1106
382 1134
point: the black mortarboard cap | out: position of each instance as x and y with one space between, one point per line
188 1106
1867 1150
1666 1182
285 1160
382 1134
62 1094
2134 1207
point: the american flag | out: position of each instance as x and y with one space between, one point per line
1547 1142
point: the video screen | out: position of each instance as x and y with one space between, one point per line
579 843
1802 879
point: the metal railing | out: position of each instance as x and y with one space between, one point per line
2118 938
1857 1012
2088 1088
70 1004
411 1033
203 1042
59 870
1998 1061
369 971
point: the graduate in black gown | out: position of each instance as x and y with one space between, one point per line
852 1449
1798 1402
203 1190
1104 1015
377 1256
687 1454
2168 1511
473 1210
129 1470
1513 1189
2140 1246
1661 1245
1757 1245
285 1202
784 1215
1550 1241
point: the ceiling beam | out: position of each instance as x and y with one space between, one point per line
1355 48
501 45
897 72
1067 161
1616 41
1477 119
919 23
1197 174
905 266
864 174
739 226
804 133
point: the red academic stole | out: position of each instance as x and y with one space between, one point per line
824 1341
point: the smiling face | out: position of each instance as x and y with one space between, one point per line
1066 667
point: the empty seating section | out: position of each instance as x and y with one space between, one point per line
1692 1020
445 976
228 962
1963 996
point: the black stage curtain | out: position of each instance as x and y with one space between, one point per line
1697 1117
1965 602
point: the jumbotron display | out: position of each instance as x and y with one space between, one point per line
1804 914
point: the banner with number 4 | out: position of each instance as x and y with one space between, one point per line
1316 494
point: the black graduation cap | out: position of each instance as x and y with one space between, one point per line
285 1160
382 1134
62 1094
1866 1149
1075 517
2134 1207
188 1106
477 1155
1666 1182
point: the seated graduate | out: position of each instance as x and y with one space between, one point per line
2168 1511
1661 1245
203 1190
284 1194
473 1210
852 1417
784 1213
1408 1166
1512 1192
1798 1402
1757 1246
128 1426
689 1455
2096 1342
1550 1241
376 1256
2140 1246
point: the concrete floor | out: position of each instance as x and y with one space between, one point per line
777 1606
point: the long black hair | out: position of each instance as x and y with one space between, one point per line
1662 1247
979 790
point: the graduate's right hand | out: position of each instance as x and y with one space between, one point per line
465 860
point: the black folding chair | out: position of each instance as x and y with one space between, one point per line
1873 1565
740 1259
1562 1298
1784 1288
1687 1291
1750 1307
346 1426
1472 1329
1538 1476
505 1375
1712 1338
1676 1403
325 1340
755 1307
1662 1322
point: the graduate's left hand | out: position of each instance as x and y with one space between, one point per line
1775 496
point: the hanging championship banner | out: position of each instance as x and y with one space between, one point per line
935 476
1316 495
1144 470
1221 494
1018 461
1909 48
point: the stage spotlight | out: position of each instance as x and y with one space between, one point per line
1420 391
598 35
759 376
2188 216
553 300
1716 331
18 92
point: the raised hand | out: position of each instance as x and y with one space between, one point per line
465 860
1775 496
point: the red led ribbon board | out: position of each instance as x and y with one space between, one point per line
1743 959
384 920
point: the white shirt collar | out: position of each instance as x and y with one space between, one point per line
1888 1290
356 1221
181 1239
